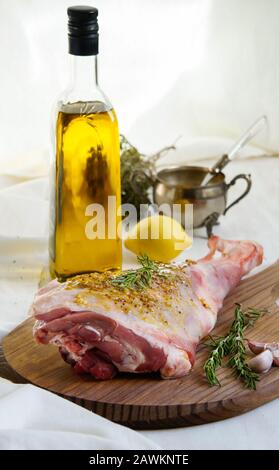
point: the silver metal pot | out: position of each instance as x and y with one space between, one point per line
182 185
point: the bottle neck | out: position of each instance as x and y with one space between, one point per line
84 73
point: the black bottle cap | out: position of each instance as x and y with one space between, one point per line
83 30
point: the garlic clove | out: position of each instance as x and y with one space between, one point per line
275 353
262 362
274 348
256 347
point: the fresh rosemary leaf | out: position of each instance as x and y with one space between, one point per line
219 351
137 278
243 371
233 345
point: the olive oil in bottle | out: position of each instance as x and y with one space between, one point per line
86 171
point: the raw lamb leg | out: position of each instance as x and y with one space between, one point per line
101 329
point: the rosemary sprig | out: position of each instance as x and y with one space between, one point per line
233 345
219 351
138 278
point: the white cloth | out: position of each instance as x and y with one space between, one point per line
256 430
31 418
23 247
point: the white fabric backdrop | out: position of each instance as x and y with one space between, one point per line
190 67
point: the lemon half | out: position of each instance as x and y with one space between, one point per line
160 237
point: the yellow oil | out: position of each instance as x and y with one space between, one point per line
87 170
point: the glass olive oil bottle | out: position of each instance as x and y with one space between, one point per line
86 170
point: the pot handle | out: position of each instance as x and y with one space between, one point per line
248 180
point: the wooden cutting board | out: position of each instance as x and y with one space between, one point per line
146 401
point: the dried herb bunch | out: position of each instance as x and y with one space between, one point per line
140 168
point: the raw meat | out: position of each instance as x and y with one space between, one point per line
101 329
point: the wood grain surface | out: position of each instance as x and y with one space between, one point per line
146 401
